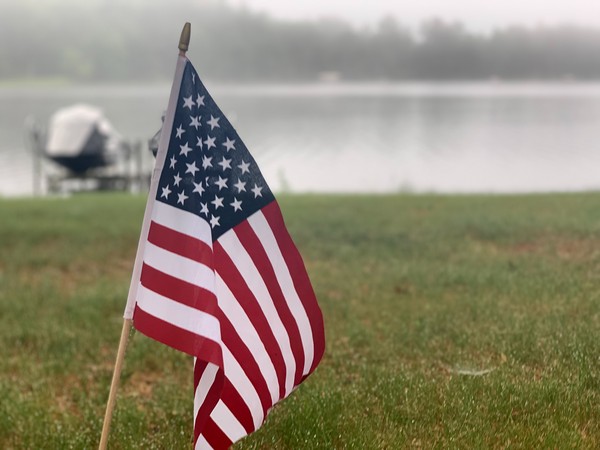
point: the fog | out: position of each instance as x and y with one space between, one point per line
136 40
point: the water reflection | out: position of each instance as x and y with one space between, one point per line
484 137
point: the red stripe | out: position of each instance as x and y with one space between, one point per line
234 401
181 244
243 356
212 397
300 278
215 436
259 256
236 283
178 338
199 367
178 290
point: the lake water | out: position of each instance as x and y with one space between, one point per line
463 137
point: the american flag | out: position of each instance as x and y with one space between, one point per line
217 275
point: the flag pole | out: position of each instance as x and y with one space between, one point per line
112 396
184 42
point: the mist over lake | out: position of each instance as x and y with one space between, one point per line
361 137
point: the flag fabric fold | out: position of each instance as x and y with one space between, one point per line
217 275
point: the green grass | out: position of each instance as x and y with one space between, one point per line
419 293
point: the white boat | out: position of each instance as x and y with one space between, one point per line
80 138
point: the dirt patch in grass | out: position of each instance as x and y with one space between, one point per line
141 384
577 249
564 248
524 248
68 279
64 396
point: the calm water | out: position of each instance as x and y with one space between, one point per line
363 137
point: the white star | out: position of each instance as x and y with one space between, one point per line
210 141
221 182
204 209
198 188
191 168
199 143
225 164
177 179
240 185
244 166
195 122
214 221
256 190
237 204
206 162
173 162
165 192
179 131
200 100
194 78
185 149
218 202
229 144
188 102
181 197
214 122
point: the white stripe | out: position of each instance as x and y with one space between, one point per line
232 245
244 387
182 221
248 335
204 384
261 227
182 316
227 422
202 444
179 267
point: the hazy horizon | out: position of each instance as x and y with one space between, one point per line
475 15
102 40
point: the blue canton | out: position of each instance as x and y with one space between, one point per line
208 170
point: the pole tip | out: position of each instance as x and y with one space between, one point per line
184 40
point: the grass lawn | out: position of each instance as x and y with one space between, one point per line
451 321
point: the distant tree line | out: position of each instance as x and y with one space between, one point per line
136 39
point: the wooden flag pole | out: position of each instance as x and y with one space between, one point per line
184 42
112 396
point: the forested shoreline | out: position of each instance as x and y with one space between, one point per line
117 41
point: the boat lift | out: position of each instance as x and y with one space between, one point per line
89 154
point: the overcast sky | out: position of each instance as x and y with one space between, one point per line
476 14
